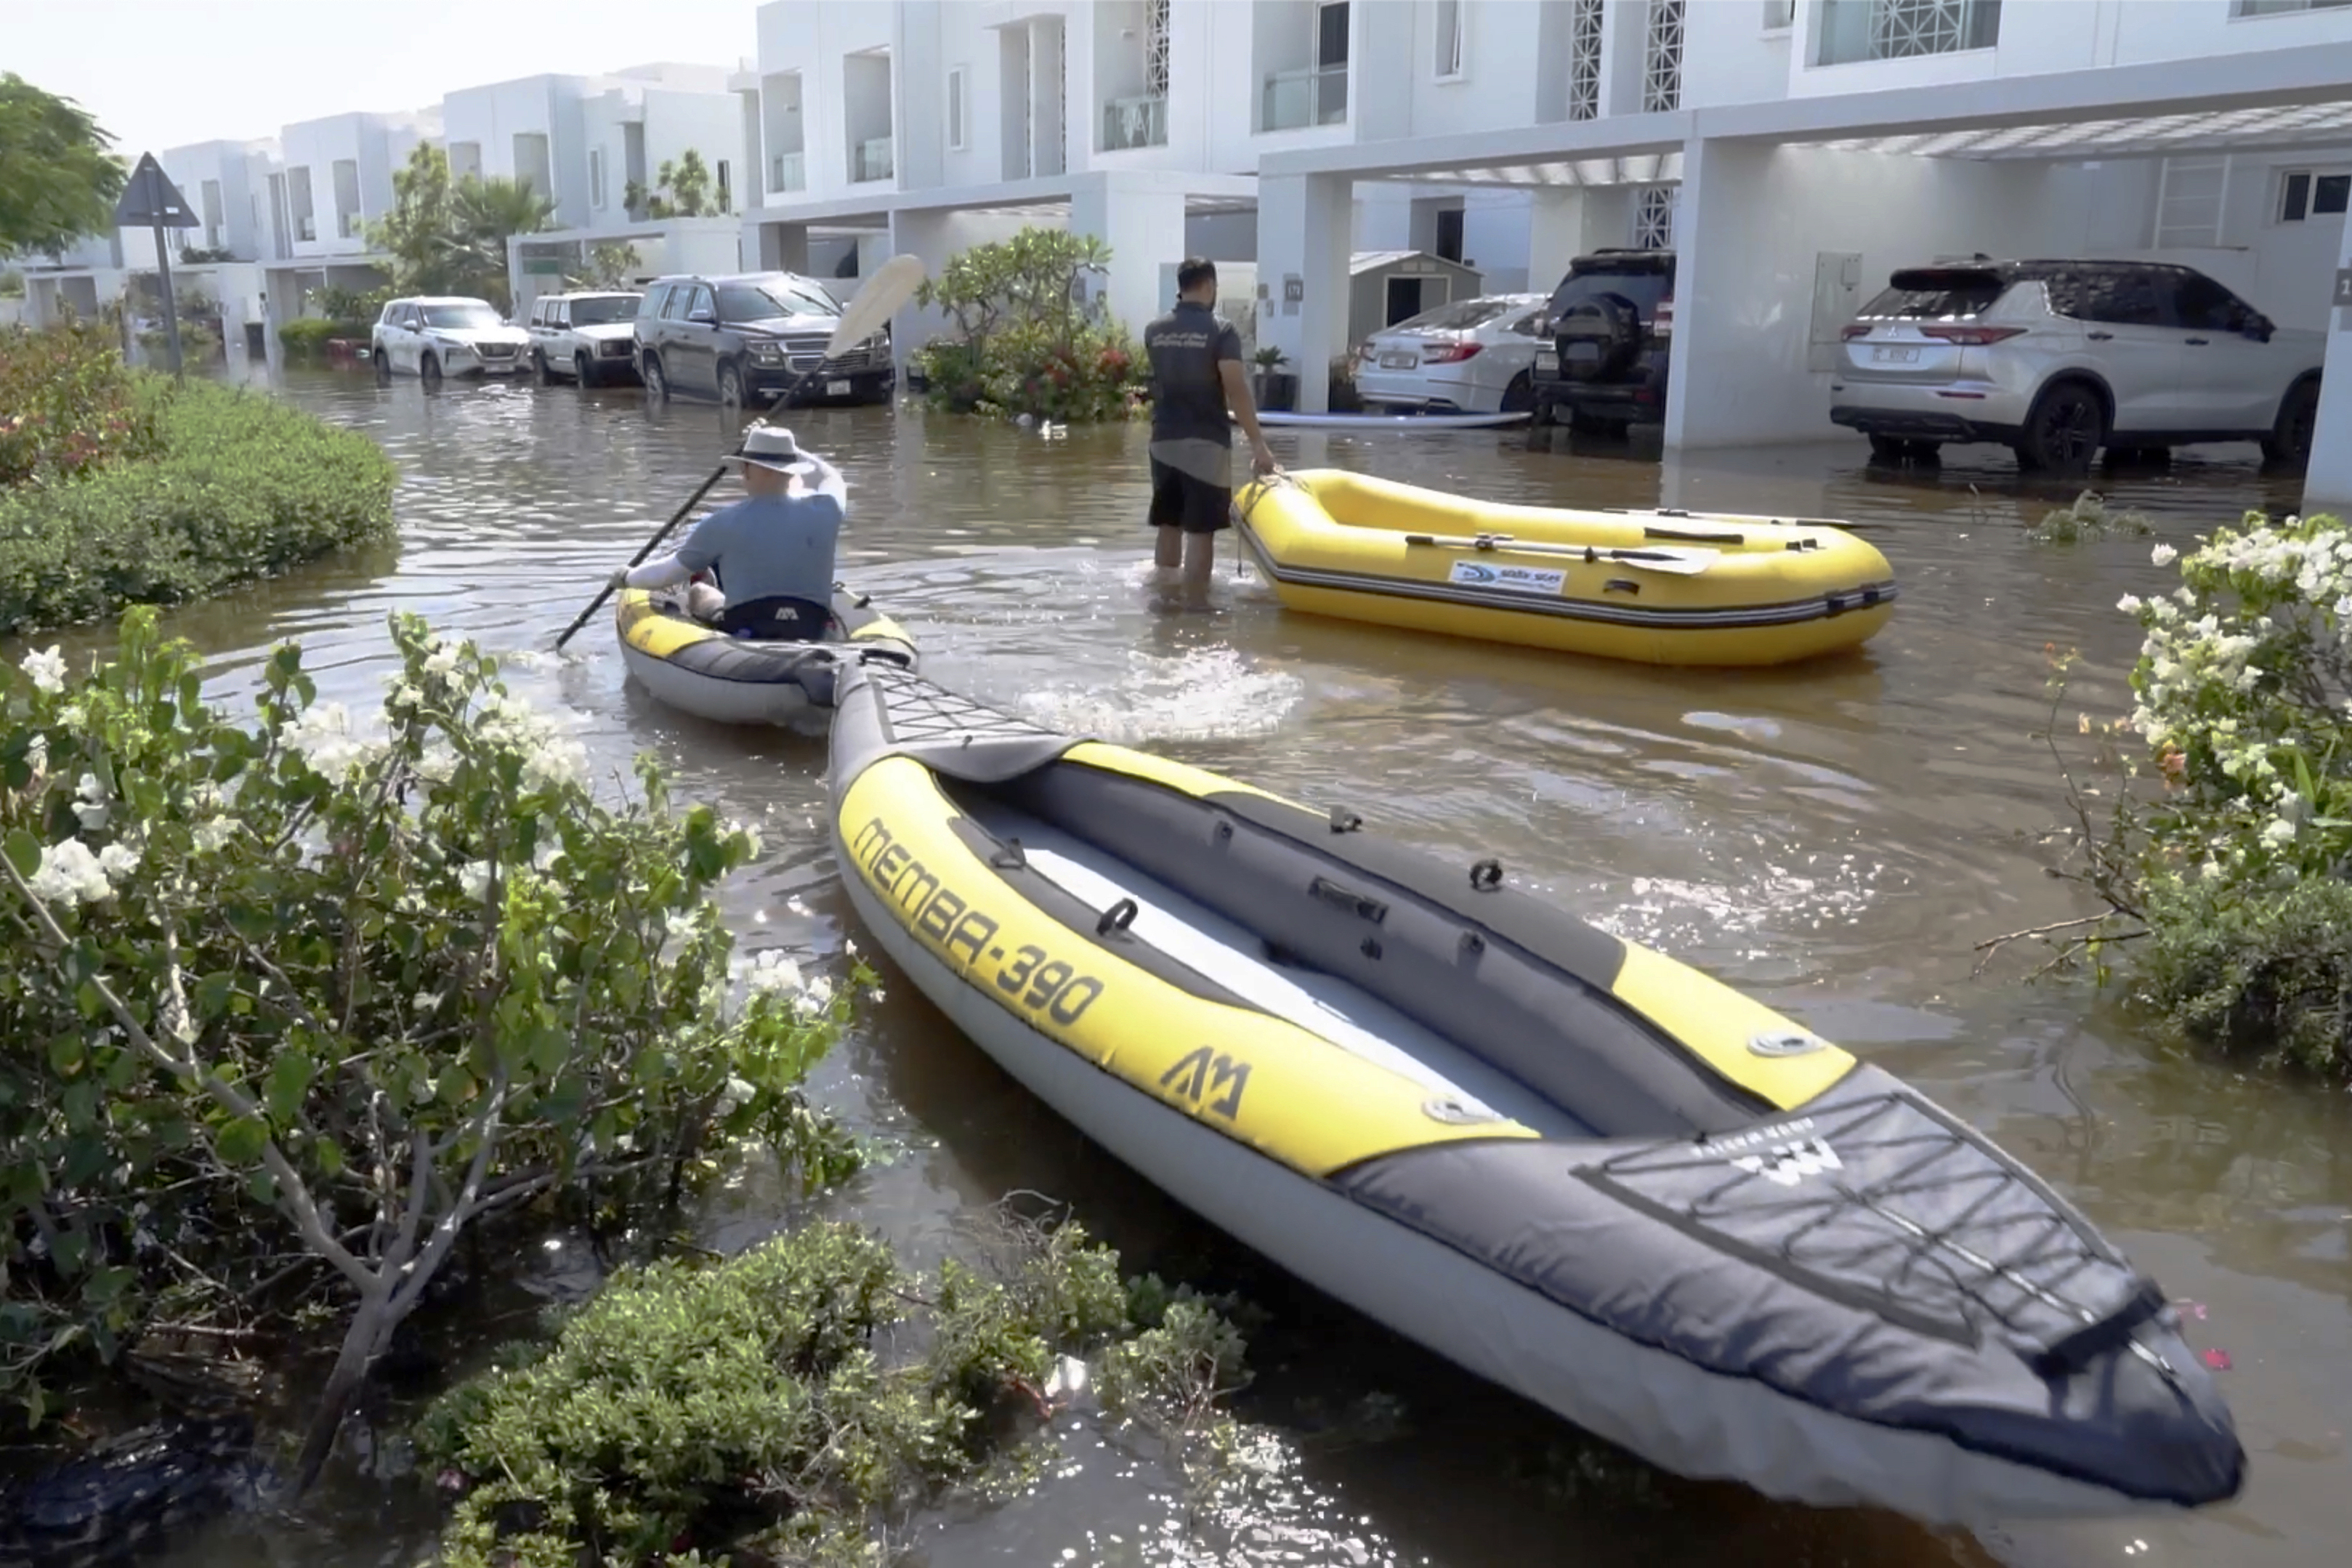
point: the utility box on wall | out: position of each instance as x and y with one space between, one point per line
1837 295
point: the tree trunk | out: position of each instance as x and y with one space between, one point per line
360 1343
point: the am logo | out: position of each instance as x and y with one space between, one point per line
1210 1079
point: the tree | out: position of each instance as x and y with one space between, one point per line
58 181
484 215
416 234
607 267
287 1009
682 189
448 237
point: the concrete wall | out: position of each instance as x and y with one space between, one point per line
1754 220
2328 483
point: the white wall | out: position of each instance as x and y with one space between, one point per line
1756 217
711 123
1730 57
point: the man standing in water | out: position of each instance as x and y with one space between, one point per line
1196 376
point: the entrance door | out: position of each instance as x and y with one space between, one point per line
1404 301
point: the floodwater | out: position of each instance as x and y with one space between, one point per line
1834 839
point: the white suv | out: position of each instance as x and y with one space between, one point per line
437 335
589 338
2057 359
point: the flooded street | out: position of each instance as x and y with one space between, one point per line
1835 839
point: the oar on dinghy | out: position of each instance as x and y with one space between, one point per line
876 300
1648 558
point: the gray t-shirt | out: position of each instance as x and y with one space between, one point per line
769 547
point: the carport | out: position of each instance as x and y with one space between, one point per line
1589 183
1795 212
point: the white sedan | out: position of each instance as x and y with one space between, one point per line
1473 357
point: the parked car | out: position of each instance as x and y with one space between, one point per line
1611 325
437 335
2057 359
752 336
589 338
1473 357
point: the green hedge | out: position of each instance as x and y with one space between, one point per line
306 338
244 487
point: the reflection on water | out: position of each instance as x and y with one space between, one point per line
1833 838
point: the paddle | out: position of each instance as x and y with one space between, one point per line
877 299
1648 558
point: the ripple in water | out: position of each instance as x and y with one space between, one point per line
1205 694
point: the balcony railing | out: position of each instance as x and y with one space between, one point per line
1313 95
870 161
788 171
306 228
1129 122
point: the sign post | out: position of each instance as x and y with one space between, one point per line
151 201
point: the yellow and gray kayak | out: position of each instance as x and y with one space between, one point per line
1568 1164
1656 587
701 670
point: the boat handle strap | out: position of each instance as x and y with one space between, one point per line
1119 917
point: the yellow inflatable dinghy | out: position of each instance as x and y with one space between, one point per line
1656 587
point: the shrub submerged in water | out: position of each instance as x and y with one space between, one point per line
282 991
2237 870
1025 340
783 1404
128 489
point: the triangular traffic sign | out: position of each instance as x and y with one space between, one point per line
150 198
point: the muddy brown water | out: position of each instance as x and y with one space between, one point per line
1832 839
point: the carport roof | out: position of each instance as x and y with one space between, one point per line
2219 104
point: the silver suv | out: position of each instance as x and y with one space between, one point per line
433 335
2058 359
589 338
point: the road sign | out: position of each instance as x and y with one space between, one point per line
151 201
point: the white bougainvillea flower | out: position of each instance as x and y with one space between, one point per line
2164 555
68 875
46 668
772 970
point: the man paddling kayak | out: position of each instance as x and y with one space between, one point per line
773 551
1196 374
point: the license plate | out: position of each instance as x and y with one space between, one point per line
1546 361
1398 361
836 389
1584 353
1888 354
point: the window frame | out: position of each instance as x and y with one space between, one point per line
596 187
2301 206
1449 67
959 108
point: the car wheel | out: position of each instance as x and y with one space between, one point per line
541 373
657 384
1519 397
382 365
429 370
2065 430
2299 417
584 370
730 383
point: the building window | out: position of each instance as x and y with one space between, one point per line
1662 57
2304 193
1448 65
1780 15
596 177
958 135
1654 218
2191 196
1854 30
2282 8
726 187
1585 60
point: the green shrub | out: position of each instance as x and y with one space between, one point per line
239 486
199 344
2228 843
68 405
307 339
2088 518
1025 343
775 1403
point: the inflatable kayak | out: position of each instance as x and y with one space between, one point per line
1567 1163
701 670
1656 587
1278 418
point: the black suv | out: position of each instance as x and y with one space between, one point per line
753 335
1612 324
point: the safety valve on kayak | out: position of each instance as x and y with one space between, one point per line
1345 821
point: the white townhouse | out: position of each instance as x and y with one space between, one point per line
1793 151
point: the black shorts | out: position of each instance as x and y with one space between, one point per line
775 620
1184 501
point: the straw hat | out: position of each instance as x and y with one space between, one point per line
770 447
